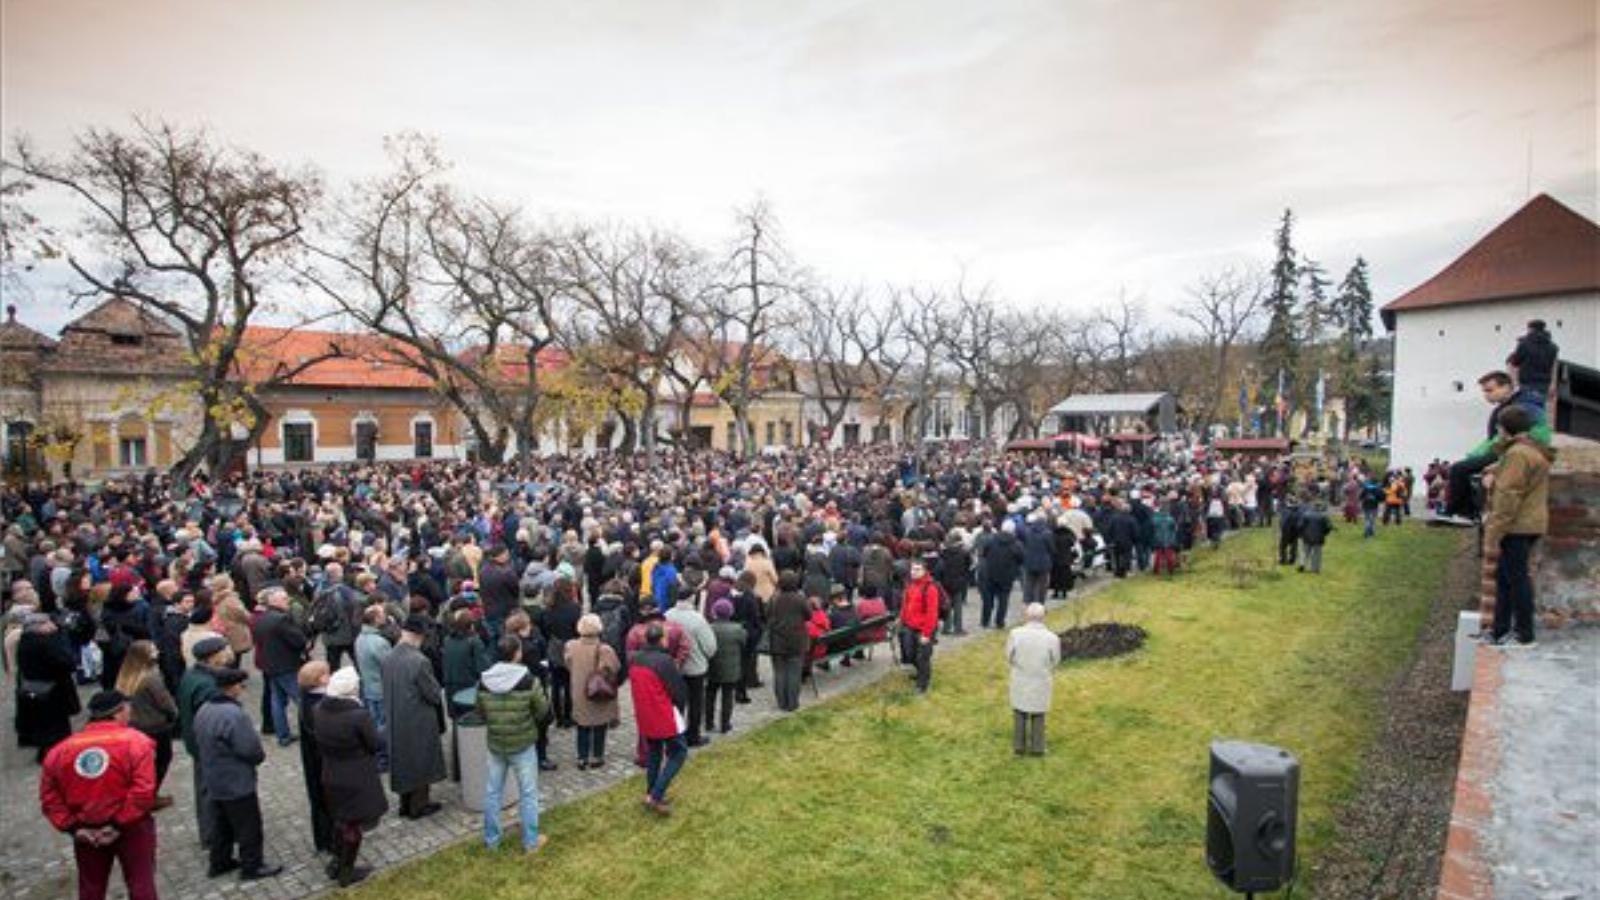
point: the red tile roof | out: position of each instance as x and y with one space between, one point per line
1544 248
1235 444
365 361
513 361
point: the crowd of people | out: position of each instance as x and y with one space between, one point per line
378 603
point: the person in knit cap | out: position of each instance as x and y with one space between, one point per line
349 742
726 671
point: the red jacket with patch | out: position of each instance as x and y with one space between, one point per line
103 775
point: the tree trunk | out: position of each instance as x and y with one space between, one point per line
630 434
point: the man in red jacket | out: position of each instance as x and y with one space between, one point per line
919 619
659 695
99 786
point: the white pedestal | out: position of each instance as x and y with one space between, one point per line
1467 626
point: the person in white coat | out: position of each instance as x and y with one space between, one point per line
1033 653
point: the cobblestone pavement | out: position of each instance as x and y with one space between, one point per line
36 861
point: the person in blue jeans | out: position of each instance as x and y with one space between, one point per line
512 702
659 698
371 649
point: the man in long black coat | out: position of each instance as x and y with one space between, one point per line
415 708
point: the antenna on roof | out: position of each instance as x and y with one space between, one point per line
1528 182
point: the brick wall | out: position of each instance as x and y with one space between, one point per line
1566 563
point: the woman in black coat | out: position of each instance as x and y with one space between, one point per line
313 687
1065 553
559 625
47 695
349 742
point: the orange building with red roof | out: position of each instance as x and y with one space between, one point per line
338 397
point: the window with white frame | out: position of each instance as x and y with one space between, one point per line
131 453
299 442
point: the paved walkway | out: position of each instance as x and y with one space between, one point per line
36 862
1526 820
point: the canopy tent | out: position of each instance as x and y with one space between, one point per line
1154 412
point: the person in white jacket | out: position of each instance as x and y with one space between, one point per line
702 646
1033 653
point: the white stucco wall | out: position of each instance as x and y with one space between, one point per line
1439 354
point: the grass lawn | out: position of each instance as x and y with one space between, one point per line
885 794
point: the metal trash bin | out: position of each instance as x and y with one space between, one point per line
472 762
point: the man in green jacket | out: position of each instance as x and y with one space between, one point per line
199 684
1519 501
512 702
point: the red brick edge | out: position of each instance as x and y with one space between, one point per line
1465 873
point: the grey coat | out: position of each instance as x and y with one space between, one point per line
1033 653
230 748
702 641
414 705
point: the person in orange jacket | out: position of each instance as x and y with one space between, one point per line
99 786
919 619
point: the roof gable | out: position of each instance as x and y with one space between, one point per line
1543 248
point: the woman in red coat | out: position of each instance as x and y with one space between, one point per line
659 696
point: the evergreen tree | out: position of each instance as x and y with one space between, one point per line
1280 345
1355 381
1316 310
1354 303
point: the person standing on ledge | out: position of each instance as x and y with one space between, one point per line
1033 653
1519 514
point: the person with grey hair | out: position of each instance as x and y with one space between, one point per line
281 647
1033 653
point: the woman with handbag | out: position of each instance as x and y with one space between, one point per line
153 711
47 696
594 667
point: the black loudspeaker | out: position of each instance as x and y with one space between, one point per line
1250 823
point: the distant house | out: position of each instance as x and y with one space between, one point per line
366 404
1156 413
1541 263
109 397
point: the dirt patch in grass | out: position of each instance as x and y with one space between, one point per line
1390 836
1101 640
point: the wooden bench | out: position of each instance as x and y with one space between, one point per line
842 643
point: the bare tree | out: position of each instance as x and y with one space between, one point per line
1225 307
195 233
735 351
467 289
851 349
638 297
927 328
1121 329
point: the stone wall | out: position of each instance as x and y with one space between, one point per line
1566 567
1566 563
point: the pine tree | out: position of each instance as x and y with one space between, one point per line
1316 309
1280 345
1353 312
1354 303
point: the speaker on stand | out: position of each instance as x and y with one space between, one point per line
1252 804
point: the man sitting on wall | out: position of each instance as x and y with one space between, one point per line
1461 507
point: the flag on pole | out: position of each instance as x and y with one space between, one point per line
1281 403
1321 396
1244 401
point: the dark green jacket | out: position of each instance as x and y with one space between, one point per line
465 658
511 702
727 664
195 687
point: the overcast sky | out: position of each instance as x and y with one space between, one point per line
1060 150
